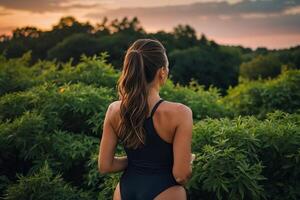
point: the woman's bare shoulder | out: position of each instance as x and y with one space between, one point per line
115 109
115 104
177 111
178 107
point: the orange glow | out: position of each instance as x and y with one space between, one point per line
224 28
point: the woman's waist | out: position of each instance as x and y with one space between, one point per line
149 168
145 179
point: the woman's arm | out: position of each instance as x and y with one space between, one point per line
182 168
107 161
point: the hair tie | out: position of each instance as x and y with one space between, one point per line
135 50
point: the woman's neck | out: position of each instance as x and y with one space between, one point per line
153 94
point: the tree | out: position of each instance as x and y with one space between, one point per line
261 66
185 36
207 65
73 47
203 40
126 26
26 32
101 29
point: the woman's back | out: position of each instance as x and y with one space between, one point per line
156 156
149 170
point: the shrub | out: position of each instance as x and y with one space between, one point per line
44 185
246 158
76 108
260 97
226 174
262 66
90 70
21 139
15 74
204 103
25 146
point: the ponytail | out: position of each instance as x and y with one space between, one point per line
142 60
132 89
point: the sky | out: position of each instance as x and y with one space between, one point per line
273 24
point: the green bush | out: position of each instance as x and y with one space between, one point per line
15 74
14 104
78 108
44 185
26 138
81 108
25 146
225 174
246 158
263 96
90 70
204 103
21 142
261 66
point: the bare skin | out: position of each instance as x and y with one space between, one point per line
169 119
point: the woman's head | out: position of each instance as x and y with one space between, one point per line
145 65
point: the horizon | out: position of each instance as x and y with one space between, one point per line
248 23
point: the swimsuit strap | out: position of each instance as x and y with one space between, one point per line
155 107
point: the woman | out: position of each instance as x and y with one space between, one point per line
156 134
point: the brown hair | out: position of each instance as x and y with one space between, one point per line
142 60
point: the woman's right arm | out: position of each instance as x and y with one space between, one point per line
182 169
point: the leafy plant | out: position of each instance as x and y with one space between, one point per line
44 185
263 96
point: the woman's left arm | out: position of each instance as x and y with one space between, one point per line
107 161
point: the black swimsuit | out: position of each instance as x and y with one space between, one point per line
149 170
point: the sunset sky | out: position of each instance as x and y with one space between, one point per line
251 23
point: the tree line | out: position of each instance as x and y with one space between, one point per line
191 57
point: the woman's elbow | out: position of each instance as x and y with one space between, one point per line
182 176
102 169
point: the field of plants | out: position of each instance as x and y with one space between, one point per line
247 143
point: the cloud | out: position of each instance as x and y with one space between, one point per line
3 13
219 18
228 20
211 8
248 19
42 6
292 11
205 7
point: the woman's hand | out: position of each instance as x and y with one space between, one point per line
193 156
183 182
